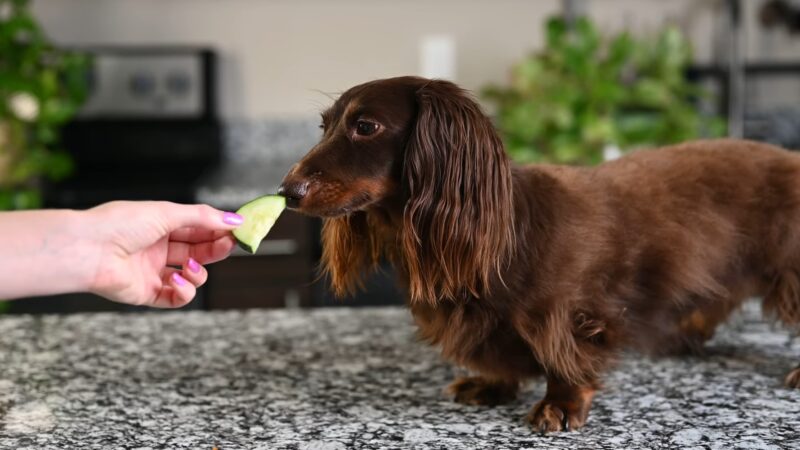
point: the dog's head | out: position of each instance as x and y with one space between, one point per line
358 162
424 148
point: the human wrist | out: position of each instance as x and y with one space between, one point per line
68 251
80 228
45 252
91 231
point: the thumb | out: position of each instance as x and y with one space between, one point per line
199 216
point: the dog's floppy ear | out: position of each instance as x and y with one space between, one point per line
458 219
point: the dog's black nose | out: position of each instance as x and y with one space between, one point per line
294 192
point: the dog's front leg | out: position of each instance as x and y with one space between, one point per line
793 378
564 407
483 391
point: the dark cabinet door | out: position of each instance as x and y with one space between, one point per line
279 275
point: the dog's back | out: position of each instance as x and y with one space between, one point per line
685 233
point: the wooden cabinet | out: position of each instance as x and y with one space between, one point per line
279 275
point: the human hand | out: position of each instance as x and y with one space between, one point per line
138 243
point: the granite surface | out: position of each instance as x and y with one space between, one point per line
235 183
256 156
354 378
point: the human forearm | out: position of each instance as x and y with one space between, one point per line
140 253
45 252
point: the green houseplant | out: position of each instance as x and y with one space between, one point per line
584 92
41 87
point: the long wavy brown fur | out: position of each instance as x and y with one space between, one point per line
352 247
458 222
347 253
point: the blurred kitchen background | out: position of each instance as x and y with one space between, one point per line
212 101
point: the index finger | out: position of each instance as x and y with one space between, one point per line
202 216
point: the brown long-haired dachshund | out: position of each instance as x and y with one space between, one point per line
517 272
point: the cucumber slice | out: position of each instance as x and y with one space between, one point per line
259 217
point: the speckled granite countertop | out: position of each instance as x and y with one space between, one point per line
346 378
236 183
257 155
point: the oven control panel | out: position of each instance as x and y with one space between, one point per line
151 84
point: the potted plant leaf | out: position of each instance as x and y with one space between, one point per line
583 94
41 88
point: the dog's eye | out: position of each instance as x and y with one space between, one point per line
366 128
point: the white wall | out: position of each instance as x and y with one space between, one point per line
277 55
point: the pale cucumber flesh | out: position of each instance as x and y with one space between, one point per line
259 217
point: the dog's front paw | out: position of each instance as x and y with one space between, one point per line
792 380
480 391
549 415
564 407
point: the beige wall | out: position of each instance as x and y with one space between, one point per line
277 54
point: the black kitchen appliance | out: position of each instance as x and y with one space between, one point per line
148 130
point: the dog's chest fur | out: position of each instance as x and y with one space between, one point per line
476 337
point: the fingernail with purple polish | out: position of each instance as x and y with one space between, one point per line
179 280
193 265
232 218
